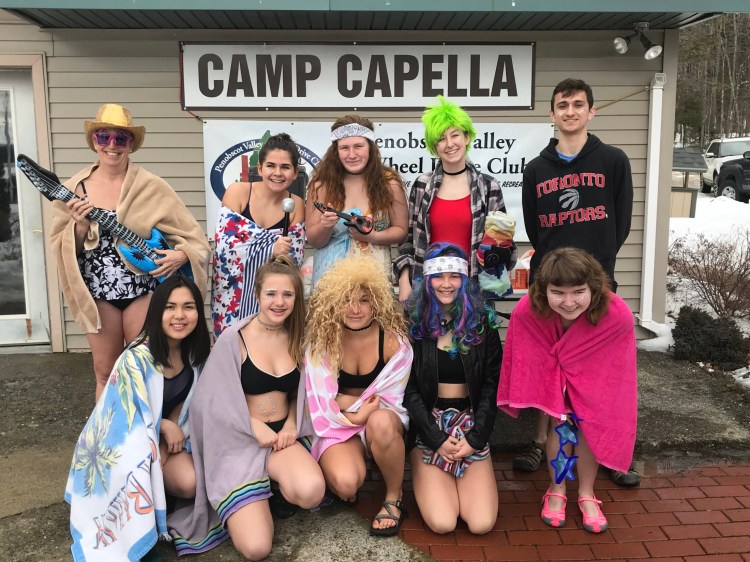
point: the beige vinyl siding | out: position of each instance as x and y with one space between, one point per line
18 37
140 69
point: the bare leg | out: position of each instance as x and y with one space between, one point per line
118 328
553 446
586 467
134 316
251 529
436 494
343 467
384 436
177 468
477 496
299 476
107 344
179 475
543 423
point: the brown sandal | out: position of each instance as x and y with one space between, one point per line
389 531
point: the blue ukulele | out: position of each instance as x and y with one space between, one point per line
137 251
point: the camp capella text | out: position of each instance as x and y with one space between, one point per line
375 76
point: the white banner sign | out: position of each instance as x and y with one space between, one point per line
499 149
356 77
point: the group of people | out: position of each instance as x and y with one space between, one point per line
294 397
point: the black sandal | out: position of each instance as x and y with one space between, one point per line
389 531
627 479
347 503
281 508
530 458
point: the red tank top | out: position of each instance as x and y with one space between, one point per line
450 221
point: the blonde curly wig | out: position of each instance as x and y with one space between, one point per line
335 291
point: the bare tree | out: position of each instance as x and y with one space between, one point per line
713 93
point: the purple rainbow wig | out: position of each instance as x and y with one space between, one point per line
427 319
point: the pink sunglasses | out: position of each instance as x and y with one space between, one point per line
121 138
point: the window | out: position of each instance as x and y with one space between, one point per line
734 147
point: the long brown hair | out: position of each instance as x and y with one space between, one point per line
568 267
295 322
327 183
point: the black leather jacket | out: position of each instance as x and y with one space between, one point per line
482 368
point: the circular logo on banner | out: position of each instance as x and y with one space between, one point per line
233 165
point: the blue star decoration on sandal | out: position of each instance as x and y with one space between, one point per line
563 465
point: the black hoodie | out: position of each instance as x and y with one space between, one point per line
586 203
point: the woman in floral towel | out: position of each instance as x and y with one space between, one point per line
252 227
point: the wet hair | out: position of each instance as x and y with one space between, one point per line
568 267
440 117
280 141
337 290
196 345
570 86
295 322
327 183
469 312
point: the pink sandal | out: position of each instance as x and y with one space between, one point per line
550 517
593 523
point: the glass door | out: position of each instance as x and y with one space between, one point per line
24 315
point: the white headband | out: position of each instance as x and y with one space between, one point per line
352 130
445 264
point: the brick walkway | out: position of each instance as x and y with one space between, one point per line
691 515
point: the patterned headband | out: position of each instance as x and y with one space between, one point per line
352 130
445 264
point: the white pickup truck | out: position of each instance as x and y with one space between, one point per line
718 152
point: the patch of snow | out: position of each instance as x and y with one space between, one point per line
662 341
742 376
714 217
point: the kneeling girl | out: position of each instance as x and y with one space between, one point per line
138 432
451 395
247 417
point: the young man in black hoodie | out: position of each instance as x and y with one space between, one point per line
578 192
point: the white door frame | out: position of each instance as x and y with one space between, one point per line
37 65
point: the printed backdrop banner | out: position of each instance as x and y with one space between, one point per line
499 149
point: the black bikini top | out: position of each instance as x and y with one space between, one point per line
176 390
347 380
254 381
450 371
246 213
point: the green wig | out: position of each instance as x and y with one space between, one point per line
442 116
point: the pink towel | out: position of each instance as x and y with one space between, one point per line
330 424
594 365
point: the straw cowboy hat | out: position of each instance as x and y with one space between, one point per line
113 116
